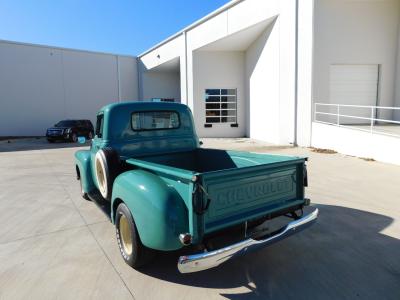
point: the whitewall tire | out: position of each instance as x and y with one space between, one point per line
107 168
101 173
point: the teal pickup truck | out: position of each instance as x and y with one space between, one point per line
146 169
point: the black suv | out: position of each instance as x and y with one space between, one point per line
70 130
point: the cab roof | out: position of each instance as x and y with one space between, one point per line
143 105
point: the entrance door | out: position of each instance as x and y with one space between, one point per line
355 85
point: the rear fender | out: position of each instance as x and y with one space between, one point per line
158 210
84 173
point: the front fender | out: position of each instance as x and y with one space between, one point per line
159 212
82 161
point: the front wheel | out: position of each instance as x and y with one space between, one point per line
83 194
132 250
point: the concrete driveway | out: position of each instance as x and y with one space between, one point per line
54 244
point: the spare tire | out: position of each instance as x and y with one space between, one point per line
107 168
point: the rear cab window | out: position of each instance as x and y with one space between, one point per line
155 120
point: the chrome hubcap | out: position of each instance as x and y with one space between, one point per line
125 234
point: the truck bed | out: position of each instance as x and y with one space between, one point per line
233 187
210 160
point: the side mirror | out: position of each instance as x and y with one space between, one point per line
81 140
201 143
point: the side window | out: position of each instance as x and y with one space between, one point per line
99 125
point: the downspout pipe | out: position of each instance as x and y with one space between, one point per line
296 74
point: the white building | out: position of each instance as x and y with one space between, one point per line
253 68
41 85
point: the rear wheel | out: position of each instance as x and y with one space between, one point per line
74 137
132 250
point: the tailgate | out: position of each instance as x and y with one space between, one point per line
237 195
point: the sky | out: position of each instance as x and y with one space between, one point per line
120 26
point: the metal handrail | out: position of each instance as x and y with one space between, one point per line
361 106
372 117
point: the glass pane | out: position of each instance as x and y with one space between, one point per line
212 99
228 105
228 98
228 120
212 120
99 125
152 120
230 92
212 113
228 113
212 91
212 106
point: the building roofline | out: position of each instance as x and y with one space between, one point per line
193 25
63 48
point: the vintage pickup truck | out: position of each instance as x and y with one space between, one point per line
146 169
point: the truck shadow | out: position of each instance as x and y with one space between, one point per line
343 255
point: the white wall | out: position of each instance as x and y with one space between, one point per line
396 115
356 32
269 66
218 69
128 78
270 79
357 143
153 59
228 22
304 74
263 72
31 89
90 81
262 86
41 85
161 85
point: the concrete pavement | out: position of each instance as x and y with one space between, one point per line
54 244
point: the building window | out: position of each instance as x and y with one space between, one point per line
162 99
221 105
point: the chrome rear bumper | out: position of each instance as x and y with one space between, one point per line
207 260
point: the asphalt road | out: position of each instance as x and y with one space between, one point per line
54 244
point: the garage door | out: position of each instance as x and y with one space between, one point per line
356 85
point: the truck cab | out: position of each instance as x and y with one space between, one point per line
146 169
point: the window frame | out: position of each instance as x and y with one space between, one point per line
153 129
220 109
99 129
